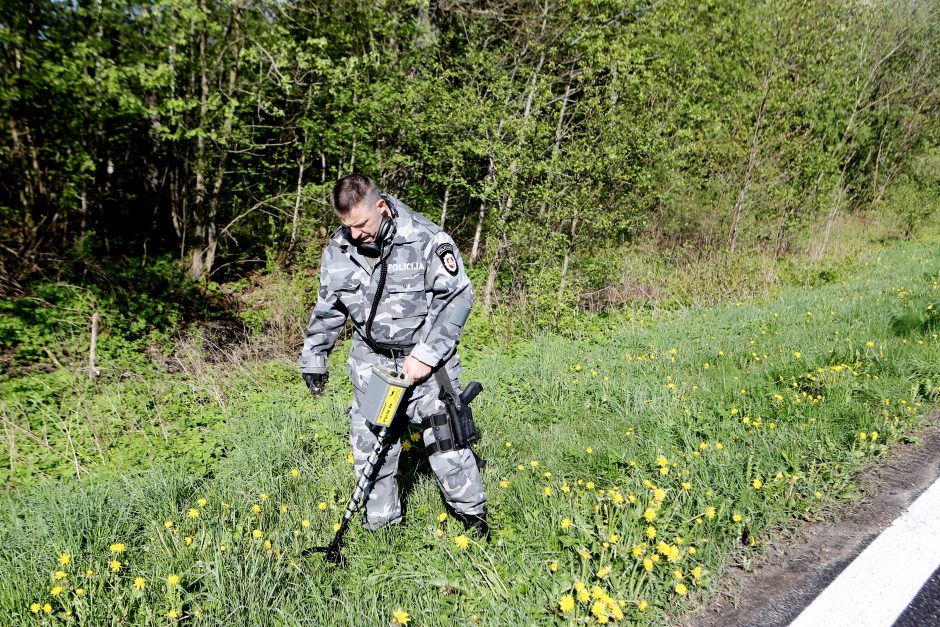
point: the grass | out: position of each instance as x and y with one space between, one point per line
713 427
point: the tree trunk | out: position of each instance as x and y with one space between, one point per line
752 160
478 233
557 145
444 209
300 185
562 283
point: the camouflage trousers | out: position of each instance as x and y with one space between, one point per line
456 471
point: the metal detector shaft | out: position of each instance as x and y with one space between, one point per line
360 494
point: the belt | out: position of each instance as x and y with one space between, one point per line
391 351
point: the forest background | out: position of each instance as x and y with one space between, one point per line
165 167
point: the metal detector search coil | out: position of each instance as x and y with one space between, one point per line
383 396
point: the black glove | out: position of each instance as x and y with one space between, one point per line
316 383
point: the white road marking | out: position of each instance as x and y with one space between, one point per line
880 583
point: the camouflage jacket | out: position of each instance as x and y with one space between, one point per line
425 302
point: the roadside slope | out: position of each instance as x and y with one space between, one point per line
627 470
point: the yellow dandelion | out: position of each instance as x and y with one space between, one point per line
47 608
442 517
201 502
294 473
462 541
140 583
565 523
304 523
504 484
642 605
114 565
565 488
117 547
167 524
566 604
648 564
79 591
60 574
65 559
757 483
603 572
709 512
547 491
56 591
172 613
681 589
256 508
589 485
686 485
173 580
256 534
649 514
263 496
193 512
34 608
400 617
581 590
553 567
736 518
651 532
584 553
188 540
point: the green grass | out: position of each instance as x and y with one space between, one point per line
790 385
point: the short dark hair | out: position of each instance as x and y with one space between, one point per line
351 190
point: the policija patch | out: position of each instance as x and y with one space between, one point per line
446 253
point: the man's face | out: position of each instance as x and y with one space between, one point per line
364 219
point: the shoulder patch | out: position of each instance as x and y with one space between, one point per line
446 253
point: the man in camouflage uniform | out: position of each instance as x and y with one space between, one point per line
422 308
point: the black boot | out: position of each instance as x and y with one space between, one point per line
475 524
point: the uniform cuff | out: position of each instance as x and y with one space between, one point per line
423 353
310 364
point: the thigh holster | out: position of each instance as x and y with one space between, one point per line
439 424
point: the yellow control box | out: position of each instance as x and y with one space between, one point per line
383 397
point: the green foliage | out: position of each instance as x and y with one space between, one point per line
713 426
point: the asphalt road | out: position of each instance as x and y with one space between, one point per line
925 608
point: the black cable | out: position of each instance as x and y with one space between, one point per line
374 344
